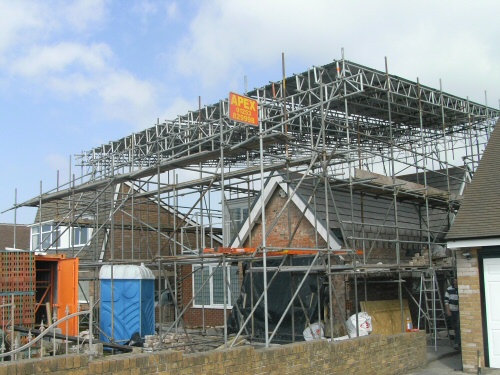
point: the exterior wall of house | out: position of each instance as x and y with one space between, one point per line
135 229
136 236
471 322
197 316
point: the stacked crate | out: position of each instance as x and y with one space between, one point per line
17 279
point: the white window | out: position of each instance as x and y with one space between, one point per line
80 236
212 292
49 235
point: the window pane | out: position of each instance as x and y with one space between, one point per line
35 241
76 236
46 241
235 285
218 286
55 235
203 297
80 236
84 235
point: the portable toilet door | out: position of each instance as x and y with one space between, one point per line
127 302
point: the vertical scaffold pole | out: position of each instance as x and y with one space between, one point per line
263 215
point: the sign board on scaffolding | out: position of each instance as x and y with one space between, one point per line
243 109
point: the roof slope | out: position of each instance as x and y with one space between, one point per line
479 215
23 236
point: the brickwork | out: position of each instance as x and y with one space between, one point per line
368 355
470 311
305 235
142 242
17 278
193 317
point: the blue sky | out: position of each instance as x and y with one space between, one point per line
76 74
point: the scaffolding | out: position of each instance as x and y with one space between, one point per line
343 132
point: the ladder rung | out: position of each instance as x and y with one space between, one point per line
434 314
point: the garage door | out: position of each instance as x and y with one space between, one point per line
491 267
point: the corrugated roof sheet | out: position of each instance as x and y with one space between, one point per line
479 214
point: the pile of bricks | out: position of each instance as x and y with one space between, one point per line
152 342
423 260
176 340
420 260
17 279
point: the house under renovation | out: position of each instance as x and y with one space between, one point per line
305 201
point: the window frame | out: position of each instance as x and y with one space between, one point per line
43 236
79 230
196 285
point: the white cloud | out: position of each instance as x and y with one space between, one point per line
146 9
172 10
29 22
43 45
177 106
58 162
226 39
19 21
59 58
71 84
82 14
72 69
127 98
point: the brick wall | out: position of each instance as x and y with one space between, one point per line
368 355
142 242
470 311
193 317
305 235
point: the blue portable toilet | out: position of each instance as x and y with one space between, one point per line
133 302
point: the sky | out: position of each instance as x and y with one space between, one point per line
78 74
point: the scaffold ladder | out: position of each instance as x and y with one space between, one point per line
431 307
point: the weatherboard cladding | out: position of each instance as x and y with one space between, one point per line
479 215
439 178
374 211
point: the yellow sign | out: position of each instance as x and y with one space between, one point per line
243 109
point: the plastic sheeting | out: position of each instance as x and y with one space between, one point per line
303 311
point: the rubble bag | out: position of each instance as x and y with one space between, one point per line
314 331
364 323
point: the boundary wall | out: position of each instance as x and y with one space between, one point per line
374 354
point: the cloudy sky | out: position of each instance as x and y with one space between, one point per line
76 74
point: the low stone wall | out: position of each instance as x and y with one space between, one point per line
375 354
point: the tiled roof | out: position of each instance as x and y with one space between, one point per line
479 213
7 236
